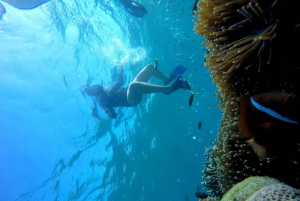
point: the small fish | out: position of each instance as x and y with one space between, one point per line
191 99
267 113
201 195
199 125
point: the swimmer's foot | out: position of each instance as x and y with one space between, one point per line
136 9
180 83
176 73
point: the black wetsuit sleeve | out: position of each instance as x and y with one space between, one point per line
92 90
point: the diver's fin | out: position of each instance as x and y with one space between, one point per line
136 9
180 83
176 72
258 149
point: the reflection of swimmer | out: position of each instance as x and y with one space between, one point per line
28 4
134 8
2 10
116 96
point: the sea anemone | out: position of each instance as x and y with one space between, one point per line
250 44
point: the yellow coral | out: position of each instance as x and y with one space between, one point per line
261 189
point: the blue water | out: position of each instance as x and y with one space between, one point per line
52 148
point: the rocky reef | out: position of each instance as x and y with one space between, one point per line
252 49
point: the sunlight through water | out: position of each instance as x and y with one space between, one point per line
54 147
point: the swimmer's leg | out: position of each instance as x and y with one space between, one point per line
140 85
148 71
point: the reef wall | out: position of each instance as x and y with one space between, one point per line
261 189
252 48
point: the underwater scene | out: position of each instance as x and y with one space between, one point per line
149 100
59 142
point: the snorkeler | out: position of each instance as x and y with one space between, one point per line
118 96
134 8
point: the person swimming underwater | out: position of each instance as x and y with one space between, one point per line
131 96
134 8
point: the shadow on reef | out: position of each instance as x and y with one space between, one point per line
252 49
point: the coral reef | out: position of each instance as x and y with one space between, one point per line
262 189
252 49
